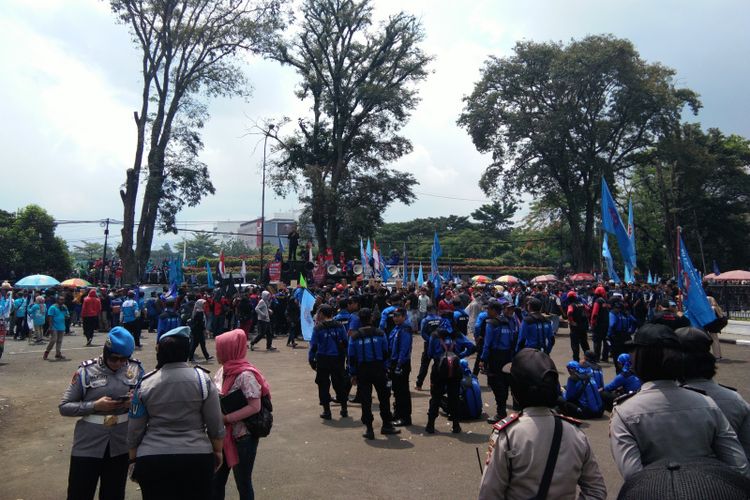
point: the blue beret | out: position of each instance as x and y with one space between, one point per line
180 331
120 342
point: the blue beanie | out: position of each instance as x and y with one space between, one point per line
120 342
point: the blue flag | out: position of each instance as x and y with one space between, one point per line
405 268
437 251
209 276
608 259
420 276
362 255
412 279
631 232
612 223
436 285
694 299
629 278
306 321
650 278
385 273
281 245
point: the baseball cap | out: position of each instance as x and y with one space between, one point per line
693 339
653 335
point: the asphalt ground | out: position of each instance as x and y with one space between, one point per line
304 457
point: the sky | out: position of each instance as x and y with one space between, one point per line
71 83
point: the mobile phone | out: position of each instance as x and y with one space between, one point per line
122 399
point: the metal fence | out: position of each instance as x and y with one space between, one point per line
734 299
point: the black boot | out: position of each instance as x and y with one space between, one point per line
369 433
344 413
326 415
430 427
456 427
389 429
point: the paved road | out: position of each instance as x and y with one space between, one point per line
303 458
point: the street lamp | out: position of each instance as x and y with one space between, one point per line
263 204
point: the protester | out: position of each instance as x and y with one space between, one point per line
399 367
264 312
175 427
56 314
198 330
499 344
90 312
625 382
38 313
581 397
100 394
579 325
326 357
240 446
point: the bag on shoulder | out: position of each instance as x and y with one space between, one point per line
260 424
449 365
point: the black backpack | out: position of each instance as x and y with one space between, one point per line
449 364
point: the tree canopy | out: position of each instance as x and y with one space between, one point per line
190 50
557 118
28 245
360 83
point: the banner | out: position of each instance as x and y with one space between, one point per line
306 304
274 271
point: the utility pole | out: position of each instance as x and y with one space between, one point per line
104 256
263 205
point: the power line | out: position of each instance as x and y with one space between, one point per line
449 197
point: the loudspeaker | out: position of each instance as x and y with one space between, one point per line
291 270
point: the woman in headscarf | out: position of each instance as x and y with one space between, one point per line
198 329
240 447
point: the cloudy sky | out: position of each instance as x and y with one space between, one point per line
71 84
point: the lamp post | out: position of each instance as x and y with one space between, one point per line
105 224
263 204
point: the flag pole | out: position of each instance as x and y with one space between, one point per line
679 268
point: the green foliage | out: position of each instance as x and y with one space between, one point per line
202 245
88 251
556 118
28 245
497 216
359 82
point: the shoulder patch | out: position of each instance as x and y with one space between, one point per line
624 397
727 387
206 370
135 360
507 421
694 389
571 420
149 374
89 362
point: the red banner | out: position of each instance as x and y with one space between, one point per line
274 271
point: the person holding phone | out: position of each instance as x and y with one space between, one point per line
100 393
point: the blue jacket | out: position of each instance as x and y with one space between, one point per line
461 321
621 323
343 317
479 324
168 320
536 333
365 346
460 345
500 335
399 345
386 325
328 339
354 322
629 382
584 393
432 323
129 311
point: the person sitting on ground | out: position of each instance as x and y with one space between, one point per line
590 361
624 382
581 398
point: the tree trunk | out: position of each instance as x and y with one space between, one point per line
576 246
587 255
130 195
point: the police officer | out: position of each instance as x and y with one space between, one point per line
100 393
175 427
536 329
523 445
499 343
326 356
445 379
367 354
665 421
699 368
427 327
399 367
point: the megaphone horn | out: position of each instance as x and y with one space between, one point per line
332 269
358 269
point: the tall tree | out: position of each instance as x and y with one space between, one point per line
360 83
89 251
190 50
202 245
496 216
557 118
28 245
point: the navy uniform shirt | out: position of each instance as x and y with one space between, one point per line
399 345
500 335
460 345
367 345
328 339
536 333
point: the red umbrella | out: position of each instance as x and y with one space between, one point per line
582 277
737 275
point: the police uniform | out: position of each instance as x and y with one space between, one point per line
667 422
518 452
99 440
399 366
428 326
174 416
326 356
497 351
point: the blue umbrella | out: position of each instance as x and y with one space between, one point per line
37 281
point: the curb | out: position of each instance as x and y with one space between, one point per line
721 340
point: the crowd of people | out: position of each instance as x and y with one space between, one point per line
362 340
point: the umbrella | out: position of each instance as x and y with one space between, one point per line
582 277
76 282
507 279
545 278
736 275
480 278
37 281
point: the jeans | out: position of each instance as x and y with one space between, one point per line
247 448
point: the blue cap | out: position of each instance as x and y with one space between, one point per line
573 365
120 342
180 331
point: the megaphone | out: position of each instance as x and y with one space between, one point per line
332 269
358 269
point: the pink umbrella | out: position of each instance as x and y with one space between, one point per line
582 277
507 278
545 278
737 275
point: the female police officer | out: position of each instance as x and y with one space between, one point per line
175 431
100 393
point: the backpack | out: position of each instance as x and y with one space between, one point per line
579 316
260 424
449 364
